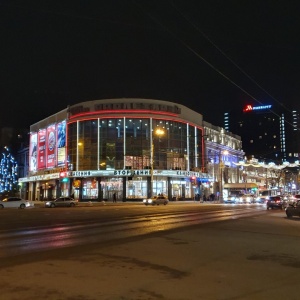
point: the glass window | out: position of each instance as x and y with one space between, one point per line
109 186
89 189
87 145
170 150
72 146
102 141
137 154
111 144
136 188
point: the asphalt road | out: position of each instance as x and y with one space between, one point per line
246 256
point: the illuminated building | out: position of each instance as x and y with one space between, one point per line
268 133
97 148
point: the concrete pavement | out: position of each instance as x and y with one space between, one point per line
251 258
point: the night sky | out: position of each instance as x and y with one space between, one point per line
210 56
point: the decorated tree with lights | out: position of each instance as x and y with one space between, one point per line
8 173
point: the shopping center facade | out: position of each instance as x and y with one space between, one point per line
133 147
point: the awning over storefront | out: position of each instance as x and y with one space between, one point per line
243 185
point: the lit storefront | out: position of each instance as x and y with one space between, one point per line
97 148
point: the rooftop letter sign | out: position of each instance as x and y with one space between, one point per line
249 107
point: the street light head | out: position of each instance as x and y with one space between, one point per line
159 132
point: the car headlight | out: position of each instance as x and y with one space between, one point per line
47 203
150 200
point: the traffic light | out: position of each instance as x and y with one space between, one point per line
193 180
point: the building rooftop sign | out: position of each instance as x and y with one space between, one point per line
122 107
249 107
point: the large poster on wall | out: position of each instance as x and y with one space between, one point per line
61 143
42 149
33 152
51 149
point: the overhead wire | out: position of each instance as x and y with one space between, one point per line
190 48
236 65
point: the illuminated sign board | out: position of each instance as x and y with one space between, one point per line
130 173
41 149
33 152
249 107
50 152
61 143
79 109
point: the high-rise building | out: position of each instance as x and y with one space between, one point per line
268 133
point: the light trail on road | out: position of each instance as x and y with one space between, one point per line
35 239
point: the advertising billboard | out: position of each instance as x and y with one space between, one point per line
61 143
33 152
41 149
51 147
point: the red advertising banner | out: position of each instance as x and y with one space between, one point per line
42 149
51 141
33 152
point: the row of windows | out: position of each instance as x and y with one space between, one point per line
107 144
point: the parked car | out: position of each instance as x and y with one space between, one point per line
156 200
293 209
275 202
15 202
61 201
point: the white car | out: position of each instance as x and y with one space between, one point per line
15 202
156 200
246 199
232 198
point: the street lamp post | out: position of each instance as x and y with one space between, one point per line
158 132
221 168
221 181
152 167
